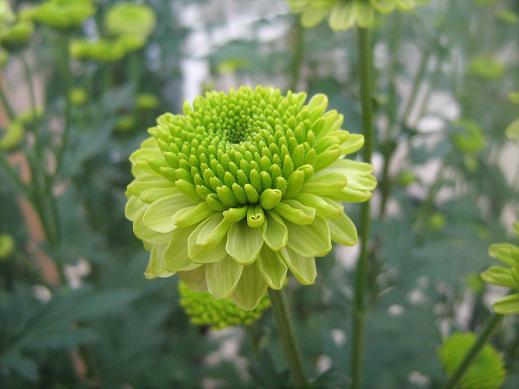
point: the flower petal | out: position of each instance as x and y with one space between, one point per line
303 268
154 268
192 215
508 305
275 233
272 268
505 252
312 240
159 215
323 206
295 212
342 230
222 277
250 289
207 253
499 276
244 243
175 257
194 279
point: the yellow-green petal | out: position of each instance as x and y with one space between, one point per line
275 232
342 230
222 277
303 268
272 267
312 240
159 215
244 243
250 289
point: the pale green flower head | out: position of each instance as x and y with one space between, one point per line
61 14
469 137
486 67
15 35
147 102
11 138
508 276
6 246
130 19
78 96
6 12
28 117
244 186
125 123
512 131
102 50
513 97
487 371
203 309
345 14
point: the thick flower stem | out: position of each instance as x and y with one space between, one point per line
365 70
482 339
286 334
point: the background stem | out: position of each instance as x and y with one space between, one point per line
297 56
482 339
286 335
365 72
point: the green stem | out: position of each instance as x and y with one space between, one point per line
67 80
474 351
366 85
286 334
422 67
6 104
14 176
389 145
297 56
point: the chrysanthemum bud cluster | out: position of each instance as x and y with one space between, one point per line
244 186
204 309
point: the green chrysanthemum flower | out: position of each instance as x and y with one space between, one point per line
130 19
243 186
512 131
344 14
147 102
487 371
468 138
6 246
61 14
204 309
12 137
507 277
125 123
99 51
16 35
78 96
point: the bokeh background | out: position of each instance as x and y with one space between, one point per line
79 313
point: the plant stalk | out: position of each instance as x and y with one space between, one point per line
67 80
286 334
366 85
6 104
482 339
297 55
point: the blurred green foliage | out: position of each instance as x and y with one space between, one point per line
128 331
